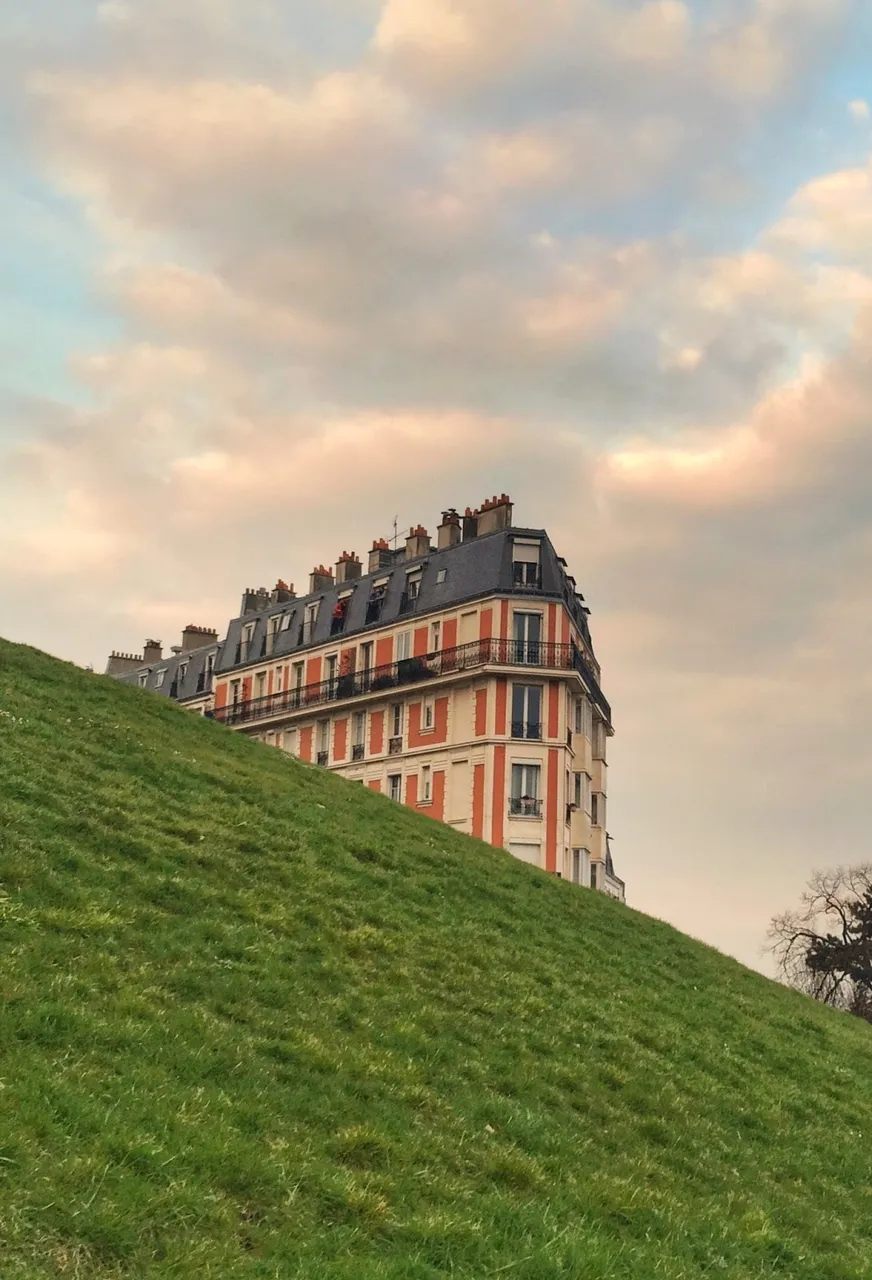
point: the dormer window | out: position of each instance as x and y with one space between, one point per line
310 618
245 644
161 676
272 630
526 568
376 600
339 615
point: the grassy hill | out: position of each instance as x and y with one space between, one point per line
258 1022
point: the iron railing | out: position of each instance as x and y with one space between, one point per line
525 807
357 751
526 729
409 671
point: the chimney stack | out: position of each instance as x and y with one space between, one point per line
153 652
448 534
282 593
320 579
254 601
195 637
120 664
348 568
495 513
417 543
470 524
381 556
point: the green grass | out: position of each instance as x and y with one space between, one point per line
259 1022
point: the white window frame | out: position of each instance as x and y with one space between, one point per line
260 684
160 677
358 721
143 680
426 784
398 778
441 576
435 636
322 741
286 620
404 645
428 715
397 715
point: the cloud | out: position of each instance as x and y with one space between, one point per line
859 109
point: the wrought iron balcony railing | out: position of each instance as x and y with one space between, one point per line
322 757
357 751
466 657
525 807
395 746
526 729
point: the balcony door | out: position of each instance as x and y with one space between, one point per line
528 637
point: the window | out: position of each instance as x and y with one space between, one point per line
440 576
277 680
598 809
376 601
290 741
143 680
210 666
426 784
525 564
286 621
593 876
323 741
582 791
183 671
413 586
527 637
435 637
366 656
298 676
428 714
576 866
395 786
245 645
599 740
260 684
272 630
404 645
525 801
583 717
234 692
161 676
330 664
526 711
397 720
358 735
310 619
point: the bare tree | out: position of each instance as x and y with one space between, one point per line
824 947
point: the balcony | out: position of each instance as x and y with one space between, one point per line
526 576
357 751
525 807
410 671
395 746
526 729
321 757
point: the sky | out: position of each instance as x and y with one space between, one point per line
273 272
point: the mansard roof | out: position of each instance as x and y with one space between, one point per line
473 569
194 661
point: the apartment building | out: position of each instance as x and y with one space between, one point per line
458 678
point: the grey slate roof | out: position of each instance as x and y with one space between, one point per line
173 687
473 569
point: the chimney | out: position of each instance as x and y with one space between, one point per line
448 534
320 579
380 557
153 652
195 637
495 513
348 568
417 543
175 650
120 664
470 524
249 602
282 593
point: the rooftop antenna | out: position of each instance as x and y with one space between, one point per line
396 536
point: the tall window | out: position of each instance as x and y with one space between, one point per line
323 741
234 693
528 637
330 666
428 714
310 618
426 784
404 645
366 656
576 866
161 676
435 637
599 740
525 801
525 564
298 675
183 671
210 665
598 809
395 786
358 735
260 684
286 620
247 637
277 680
272 630
413 586
526 711
143 680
